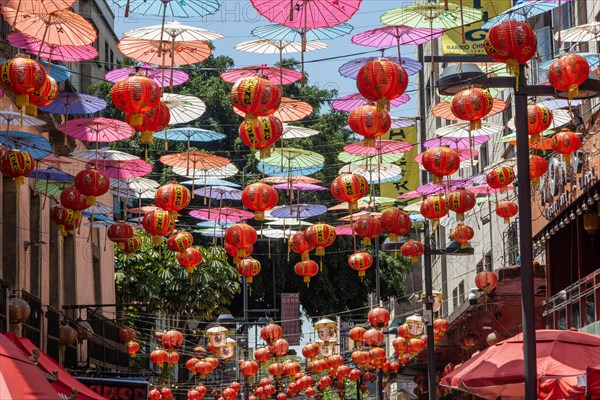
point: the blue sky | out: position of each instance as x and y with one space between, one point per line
236 19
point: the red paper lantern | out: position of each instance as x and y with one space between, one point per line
126 334
377 354
539 119
92 183
566 143
229 394
507 209
440 161
357 333
404 331
259 197
395 222
271 333
63 217
511 42
441 326
369 122
43 96
291 368
381 80
159 357
74 200
460 201
203 368
233 251
166 394
367 227
310 350
154 120
172 340
119 233
17 164
248 267
180 241
306 269
132 348
255 96
154 394
415 345
172 197
413 249
189 364
241 236
298 244
22 76
136 95
350 188
157 223
379 318
263 354
472 105
354 375
486 281
433 208
173 358
500 177
361 357
190 258
276 369
360 262
320 236
400 345
132 244
261 133
463 234
373 337
537 168
568 72
280 347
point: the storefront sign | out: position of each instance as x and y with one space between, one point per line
410 168
117 389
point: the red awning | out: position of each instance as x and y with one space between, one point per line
65 381
19 377
593 381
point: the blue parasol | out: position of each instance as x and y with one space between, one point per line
283 33
174 8
51 174
74 103
37 146
189 134
212 224
299 211
276 170
521 11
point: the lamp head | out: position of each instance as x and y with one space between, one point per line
455 77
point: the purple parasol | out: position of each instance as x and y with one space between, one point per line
381 147
486 189
433 188
97 129
299 211
354 100
456 142
221 215
351 68
398 123
74 103
53 52
162 76
396 35
283 76
219 193
124 169
298 186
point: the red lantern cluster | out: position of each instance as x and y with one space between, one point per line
261 133
507 209
460 201
500 177
300 245
369 122
136 95
395 222
381 80
173 198
472 105
567 73
307 269
249 268
92 183
360 262
367 227
566 142
16 164
440 162
22 76
350 188
259 197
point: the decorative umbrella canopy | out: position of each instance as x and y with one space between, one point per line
559 119
346 157
124 169
9 117
512 137
51 174
397 35
59 27
143 210
221 215
97 129
54 52
297 132
175 8
282 172
162 76
307 14
497 371
456 142
545 143
283 76
194 160
137 187
344 230
447 185
278 233
432 15
462 130
463 154
264 46
356 215
580 33
286 222
219 193
593 60
74 103
522 11
105 154
399 123
291 158
350 69
289 110
554 104
381 147
37 146
355 100
212 224
189 134
367 202
183 108
299 186
212 232
375 173
299 211
485 189
164 53
99 208
37 7
51 188
293 180
204 175
444 109
51 159
211 182
283 33
173 31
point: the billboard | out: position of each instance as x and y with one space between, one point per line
290 317
411 175
452 42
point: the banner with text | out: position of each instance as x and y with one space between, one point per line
410 169
452 40
290 317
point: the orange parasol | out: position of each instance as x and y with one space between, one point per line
194 160
444 109
165 53
58 27
142 210
355 216
544 143
275 180
37 6
289 110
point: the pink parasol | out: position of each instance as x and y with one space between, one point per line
53 52
52 159
279 75
486 189
396 35
97 129
381 147
291 179
356 215
298 186
433 188
464 154
344 230
410 195
456 142
221 215
143 210
162 76
124 169
352 101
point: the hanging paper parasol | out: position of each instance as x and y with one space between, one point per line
305 14
283 33
559 119
293 180
299 186
174 8
447 185
194 160
350 69
399 123
211 182
183 108
521 11
136 187
356 215
286 222
580 33
221 215
432 15
462 130
10 118
51 188
97 129
264 46
124 169
189 134
219 193
161 76
104 154
368 203
165 53
278 171
456 142
344 230
358 159
36 6
297 132
289 110
291 158
173 32
54 52
375 173
444 109
299 211
463 154
387 36
51 174
355 100
74 103
275 74
204 175
36 146
554 104
381 147
278 233
99 208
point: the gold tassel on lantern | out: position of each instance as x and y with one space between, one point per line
383 103
573 91
475 125
512 67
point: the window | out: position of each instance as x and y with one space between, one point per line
484 159
461 291
487 261
575 315
106 53
562 319
590 309
479 266
455 298
34 238
112 60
